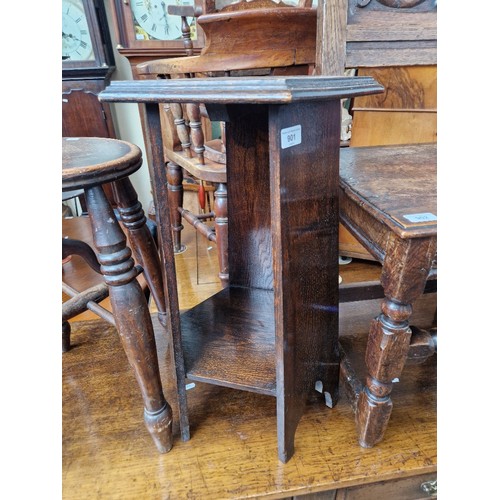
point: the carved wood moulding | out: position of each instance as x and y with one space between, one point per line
399 4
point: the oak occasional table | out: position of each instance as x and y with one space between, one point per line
394 216
274 329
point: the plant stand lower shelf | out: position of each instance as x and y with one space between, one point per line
229 340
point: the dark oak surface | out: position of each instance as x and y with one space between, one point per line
388 195
229 339
244 90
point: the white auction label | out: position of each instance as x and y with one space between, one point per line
291 136
424 217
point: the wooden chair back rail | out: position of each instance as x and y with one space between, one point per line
185 11
257 4
278 37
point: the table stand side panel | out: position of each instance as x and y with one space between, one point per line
249 235
304 215
283 237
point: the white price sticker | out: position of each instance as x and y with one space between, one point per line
424 217
291 136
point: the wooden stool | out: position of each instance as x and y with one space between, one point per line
88 163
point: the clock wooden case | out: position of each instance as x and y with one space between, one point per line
87 65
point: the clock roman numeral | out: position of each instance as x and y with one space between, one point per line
153 28
144 17
83 44
78 20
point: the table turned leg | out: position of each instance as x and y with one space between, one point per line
175 200
131 313
141 240
404 273
386 351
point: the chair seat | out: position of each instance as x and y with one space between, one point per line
403 194
210 171
90 161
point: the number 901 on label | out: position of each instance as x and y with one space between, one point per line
291 136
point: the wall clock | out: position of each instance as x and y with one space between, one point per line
85 38
152 21
76 41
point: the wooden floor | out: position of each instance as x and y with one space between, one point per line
107 452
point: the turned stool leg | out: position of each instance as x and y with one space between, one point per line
175 200
132 317
141 240
221 220
405 269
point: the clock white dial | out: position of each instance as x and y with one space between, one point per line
76 40
153 20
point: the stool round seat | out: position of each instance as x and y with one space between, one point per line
91 161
